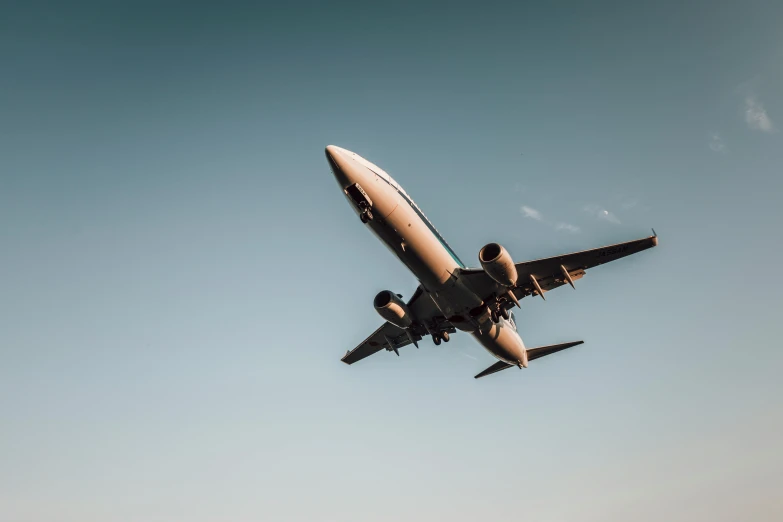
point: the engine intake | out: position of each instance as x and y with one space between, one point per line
497 263
391 308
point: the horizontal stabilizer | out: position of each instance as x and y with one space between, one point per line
498 366
537 353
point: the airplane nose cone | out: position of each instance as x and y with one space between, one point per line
338 165
331 151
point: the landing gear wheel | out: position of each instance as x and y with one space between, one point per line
366 216
445 336
494 316
436 340
504 313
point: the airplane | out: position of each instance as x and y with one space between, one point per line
450 295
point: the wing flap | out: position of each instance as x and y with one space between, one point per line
377 342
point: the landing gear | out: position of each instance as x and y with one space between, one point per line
497 309
362 201
366 215
438 337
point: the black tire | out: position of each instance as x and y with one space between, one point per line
369 215
445 336
504 313
494 316
436 340
363 217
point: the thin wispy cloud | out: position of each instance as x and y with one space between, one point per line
568 227
531 213
756 116
469 356
601 213
716 143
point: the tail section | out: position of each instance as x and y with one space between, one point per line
537 353
530 354
498 366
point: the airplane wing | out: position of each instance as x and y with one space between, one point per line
553 272
377 341
422 308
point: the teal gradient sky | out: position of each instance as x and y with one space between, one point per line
180 275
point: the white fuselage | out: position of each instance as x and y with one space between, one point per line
400 224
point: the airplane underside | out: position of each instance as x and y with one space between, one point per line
451 296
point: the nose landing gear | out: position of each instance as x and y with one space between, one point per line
361 200
366 215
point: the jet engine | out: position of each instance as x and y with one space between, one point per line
391 308
497 263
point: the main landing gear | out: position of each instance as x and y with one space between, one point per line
500 312
437 337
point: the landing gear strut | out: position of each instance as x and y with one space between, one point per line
366 215
497 311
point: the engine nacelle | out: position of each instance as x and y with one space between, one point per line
391 308
497 263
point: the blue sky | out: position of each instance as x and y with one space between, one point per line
180 274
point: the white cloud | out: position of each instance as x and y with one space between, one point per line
568 227
608 216
469 356
716 143
756 116
531 212
601 213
